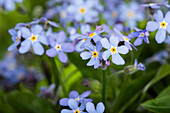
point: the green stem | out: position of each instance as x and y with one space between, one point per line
104 87
117 73
140 50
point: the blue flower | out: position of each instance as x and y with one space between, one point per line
74 107
46 21
162 24
33 38
83 10
94 54
78 98
47 91
125 39
131 13
16 38
9 5
139 66
114 50
91 109
142 35
59 47
156 5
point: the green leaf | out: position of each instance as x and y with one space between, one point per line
159 105
165 92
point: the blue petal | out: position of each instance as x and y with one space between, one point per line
168 28
51 52
9 5
123 49
25 46
98 46
12 47
114 40
105 43
160 35
146 39
83 106
96 63
60 37
100 107
91 62
89 46
67 111
73 94
36 29
43 39
85 28
12 32
86 55
138 41
78 45
67 47
73 104
64 102
133 34
90 107
38 48
167 17
62 56
96 38
25 32
117 59
152 26
106 54
85 94
53 24
158 16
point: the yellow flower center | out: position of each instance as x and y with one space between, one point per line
130 13
114 14
126 39
77 99
163 24
33 38
151 4
18 39
95 54
63 14
77 111
91 34
82 10
58 47
84 39
113 49
142 34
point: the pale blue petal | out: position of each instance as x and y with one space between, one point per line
67 111
73 104
100 107
43 39
38 48
97 38
114 41
98 46
167 17
60 37
25 46
86 55
85 28
123 49
117 59
106 54
73 94
90 107
64 102
96 63
36 29
91 62
9 5
160 35
133 34
25 32
67 47
51 52
152 26
158 16
85 94
105 43
12 47
138 41
62 56
146 40
168 28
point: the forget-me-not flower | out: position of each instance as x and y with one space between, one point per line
9 5
33 37
162 24
91 109
114 50
141 34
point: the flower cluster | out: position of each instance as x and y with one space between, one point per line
75 99
9 5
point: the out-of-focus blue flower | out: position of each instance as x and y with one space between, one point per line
59 47
78 98
91 109
141 34
94 54
9 5
125 39
114 50
131 13
160 57
157 5
162 24
33 38
95 35
46 21
83 10
74 107
16 38
47 92
139 66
